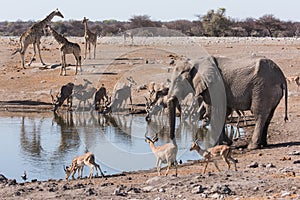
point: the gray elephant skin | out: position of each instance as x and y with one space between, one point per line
249 83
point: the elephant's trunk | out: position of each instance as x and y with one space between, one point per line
172 115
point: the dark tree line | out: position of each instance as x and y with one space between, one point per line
214 23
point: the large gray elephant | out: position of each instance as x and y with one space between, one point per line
248 83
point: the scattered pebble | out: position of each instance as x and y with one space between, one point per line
90 191
119 191
270 165
285 158
253 165
197 190
148 188
256 188
296 162
294 153
3 178
285 194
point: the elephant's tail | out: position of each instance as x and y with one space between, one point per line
286 101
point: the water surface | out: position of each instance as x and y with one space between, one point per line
42 143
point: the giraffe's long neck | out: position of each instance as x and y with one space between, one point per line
46 21
58 37
86 28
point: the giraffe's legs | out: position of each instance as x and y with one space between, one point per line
85 49
39 51
22 53
22 59
34 53
89 50
77 58
95 50
63 64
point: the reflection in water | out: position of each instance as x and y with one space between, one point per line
42 143
31 139
69 138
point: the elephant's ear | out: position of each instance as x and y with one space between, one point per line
200 86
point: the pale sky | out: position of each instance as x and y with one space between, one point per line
163 10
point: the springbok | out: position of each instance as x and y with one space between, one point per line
164 154
210 154
78 164
295 79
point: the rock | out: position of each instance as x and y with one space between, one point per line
162 190
215 196
285 158
11 182
262 165
119 191
53 189
134 190
78 186
148 188
17 193
221 189
285 194
90 191
256 188
66 187
3 179
197 190
154 180
296 162
253 165
270 165
295 153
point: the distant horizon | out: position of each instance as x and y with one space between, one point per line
196 19
158 10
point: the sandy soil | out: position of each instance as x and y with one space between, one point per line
269 173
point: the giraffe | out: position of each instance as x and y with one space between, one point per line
126 34
66 47
33 36
90 37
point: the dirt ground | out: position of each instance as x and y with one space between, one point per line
269 173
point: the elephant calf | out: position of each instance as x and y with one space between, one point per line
247 83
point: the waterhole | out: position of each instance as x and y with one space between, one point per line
42 143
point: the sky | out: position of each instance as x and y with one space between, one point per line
161 10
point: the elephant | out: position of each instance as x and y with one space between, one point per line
245 83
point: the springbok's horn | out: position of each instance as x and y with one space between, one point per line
65 168
147 137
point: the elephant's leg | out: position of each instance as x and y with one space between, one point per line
265 129
258 132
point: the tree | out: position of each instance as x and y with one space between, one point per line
138 21
270 24
215 23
